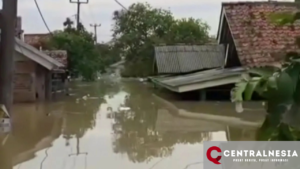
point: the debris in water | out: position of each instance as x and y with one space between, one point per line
5 139
239 107
86 97
141 79
124 108
5 124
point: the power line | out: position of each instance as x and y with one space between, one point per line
119 3
40 12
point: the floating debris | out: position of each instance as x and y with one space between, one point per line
239 107
5 123
109 109
5 139
124 108
142 80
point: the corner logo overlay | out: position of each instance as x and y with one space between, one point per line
251 154
210 158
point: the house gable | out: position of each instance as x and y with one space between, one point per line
225 37
38 41
36 55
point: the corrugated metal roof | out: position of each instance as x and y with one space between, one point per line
198 77
184 59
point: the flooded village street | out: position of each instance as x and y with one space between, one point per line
120 124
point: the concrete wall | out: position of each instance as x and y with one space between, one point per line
40 82
29 80
24 81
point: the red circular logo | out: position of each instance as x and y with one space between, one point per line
210 158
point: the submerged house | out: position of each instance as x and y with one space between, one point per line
250 40
33 70
190 68
171 118
58 76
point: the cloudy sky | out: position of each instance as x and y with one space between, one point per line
100 11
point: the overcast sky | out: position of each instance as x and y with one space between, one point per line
100 11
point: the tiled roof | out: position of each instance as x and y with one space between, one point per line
184 59
258 41
37 40
59 55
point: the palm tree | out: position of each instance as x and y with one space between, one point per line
68 23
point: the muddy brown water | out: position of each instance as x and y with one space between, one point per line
93 128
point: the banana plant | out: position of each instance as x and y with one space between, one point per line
280 87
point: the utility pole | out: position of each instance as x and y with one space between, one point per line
78 2
7 47
95 30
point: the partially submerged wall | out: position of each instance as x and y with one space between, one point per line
24 88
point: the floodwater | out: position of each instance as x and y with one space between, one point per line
112 124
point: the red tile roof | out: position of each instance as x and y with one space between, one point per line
258 41
59 55
38 40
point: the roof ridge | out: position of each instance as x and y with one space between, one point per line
258 3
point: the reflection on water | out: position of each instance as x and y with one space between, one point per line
90 130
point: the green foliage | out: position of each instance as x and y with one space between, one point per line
84 57
137 30
188 31
280 88
109 54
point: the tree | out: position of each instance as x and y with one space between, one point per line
109 54
137 30
84 60
280 86
188 31
68 24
